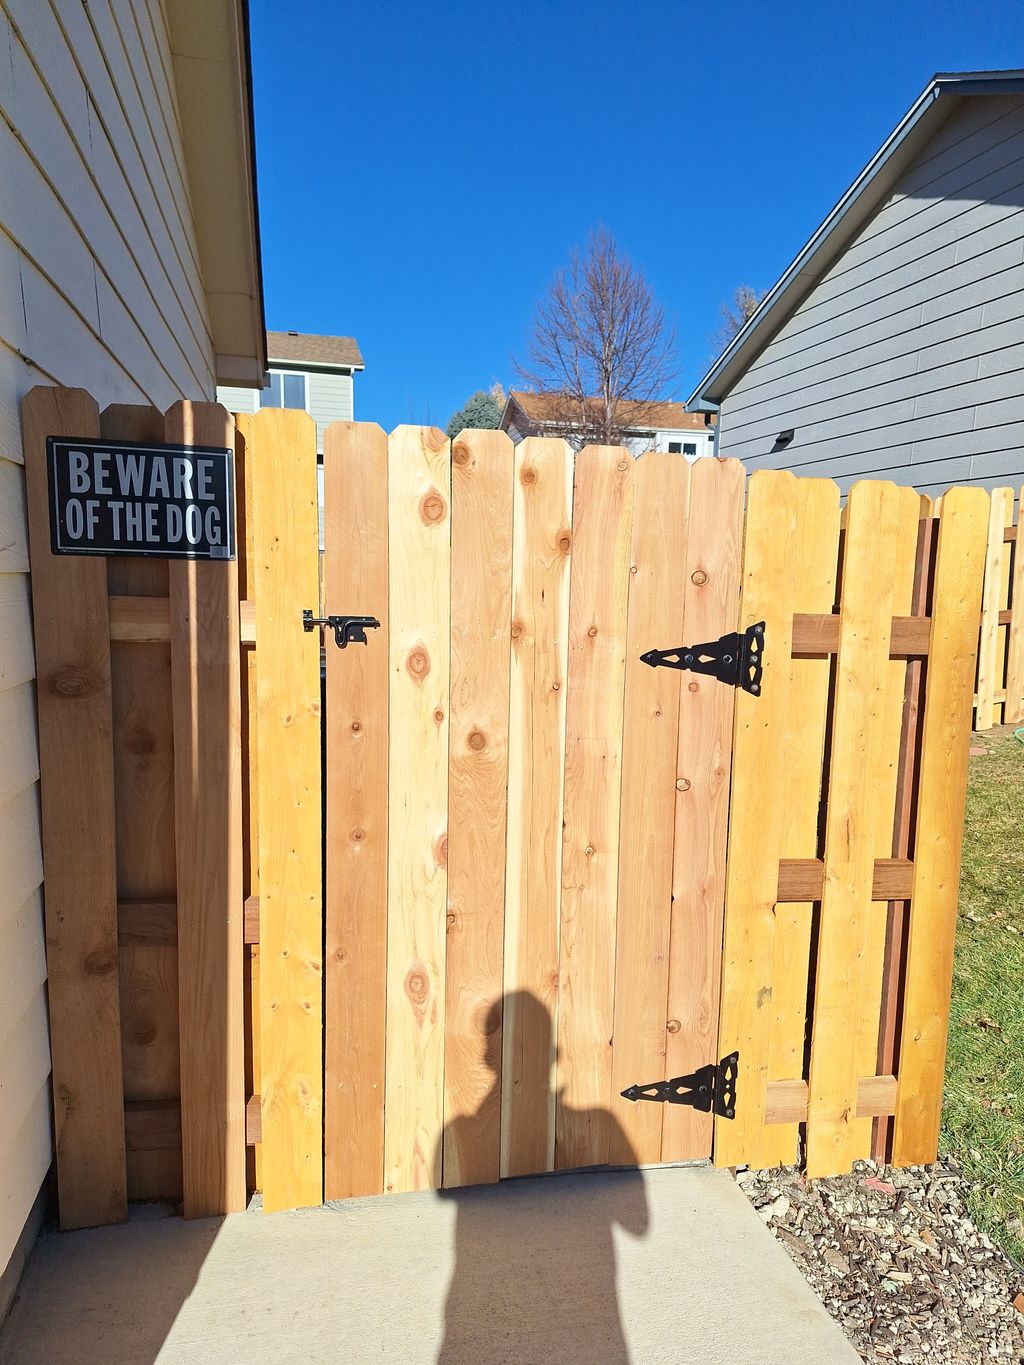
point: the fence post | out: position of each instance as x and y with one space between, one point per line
72 634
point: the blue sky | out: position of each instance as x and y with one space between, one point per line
423 169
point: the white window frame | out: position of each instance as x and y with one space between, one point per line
301 374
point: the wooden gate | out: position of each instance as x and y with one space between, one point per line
525 824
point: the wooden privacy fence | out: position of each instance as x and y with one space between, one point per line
846 819
999 697
423 924
137 667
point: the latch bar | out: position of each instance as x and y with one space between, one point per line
347 629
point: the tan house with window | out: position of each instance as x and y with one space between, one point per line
130 267
651 426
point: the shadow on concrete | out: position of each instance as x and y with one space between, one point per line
527 1288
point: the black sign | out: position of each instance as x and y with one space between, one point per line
130 498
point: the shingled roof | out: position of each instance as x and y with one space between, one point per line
546 407
300 348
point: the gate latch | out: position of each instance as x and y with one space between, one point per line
347 629
734 659
710 1088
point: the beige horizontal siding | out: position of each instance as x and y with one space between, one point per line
100 288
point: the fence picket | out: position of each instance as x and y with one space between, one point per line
992 644
356 581
646 834
541 548
949 682
1013 712
419 568
481 576
790 541
881 534
602 520
144 840
205 684
288 740
711 581
69 602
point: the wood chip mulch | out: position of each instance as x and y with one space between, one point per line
897 1261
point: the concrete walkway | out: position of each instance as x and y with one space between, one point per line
668 1265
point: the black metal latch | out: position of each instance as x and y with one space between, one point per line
734 659
710 1088
347 629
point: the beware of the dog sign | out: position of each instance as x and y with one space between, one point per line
131 498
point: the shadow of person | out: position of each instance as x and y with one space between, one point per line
535 1276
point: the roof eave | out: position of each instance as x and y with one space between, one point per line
213 77
844 221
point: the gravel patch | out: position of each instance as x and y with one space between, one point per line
897 1261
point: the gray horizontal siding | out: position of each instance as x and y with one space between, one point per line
237 400
330 400
904 361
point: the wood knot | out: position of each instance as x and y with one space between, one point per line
358 835
450 919
622 466
528 474
556 686
99 963
441 850
589 850
433 508
486 1020
71 683
682 784
417 985
699 577
144 1034
632 568
418 664
517 630
140 743
673 1026
694 687
592 631
438 714
477 741
356 727
461 453
564 542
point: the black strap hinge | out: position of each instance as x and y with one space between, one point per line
710 1088
734 659
347 629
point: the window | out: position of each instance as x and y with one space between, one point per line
284 390
690 448
674 448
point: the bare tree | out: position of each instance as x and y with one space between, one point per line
736 312
600 348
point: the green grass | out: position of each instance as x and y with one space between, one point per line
983 1112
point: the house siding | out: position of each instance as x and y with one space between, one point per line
904 359
99 288
330 400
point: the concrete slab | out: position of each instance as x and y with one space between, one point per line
667 1265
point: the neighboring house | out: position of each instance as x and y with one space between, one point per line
129 266
310 372
893 345
658 426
